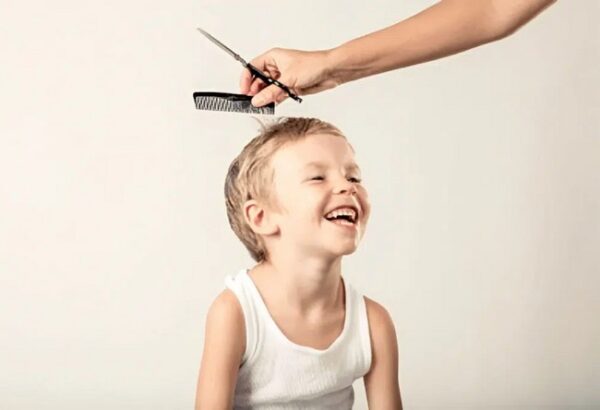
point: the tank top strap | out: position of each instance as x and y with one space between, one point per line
361 332
256 320
238 285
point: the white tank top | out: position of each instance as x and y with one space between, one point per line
276 373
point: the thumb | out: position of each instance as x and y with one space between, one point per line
269 94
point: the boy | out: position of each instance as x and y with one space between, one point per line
292 333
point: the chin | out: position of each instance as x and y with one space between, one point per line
344 251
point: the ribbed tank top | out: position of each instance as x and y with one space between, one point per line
276 373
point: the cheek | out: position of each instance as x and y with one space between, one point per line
305 206
312 197
366 203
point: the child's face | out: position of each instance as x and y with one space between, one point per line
312 177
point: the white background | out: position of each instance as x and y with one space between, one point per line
483 170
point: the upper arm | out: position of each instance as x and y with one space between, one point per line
224 344
506 17
381 382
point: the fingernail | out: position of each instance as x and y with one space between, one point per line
258 101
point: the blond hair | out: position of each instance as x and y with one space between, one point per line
249 178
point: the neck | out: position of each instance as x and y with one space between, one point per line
308 285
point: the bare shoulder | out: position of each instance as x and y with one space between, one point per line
381 381
224 345
226 303
384 343
226 318
380 320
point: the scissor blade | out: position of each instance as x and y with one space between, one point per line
223 46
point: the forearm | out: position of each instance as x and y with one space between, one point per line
445 28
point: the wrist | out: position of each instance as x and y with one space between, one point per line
335 65
348 62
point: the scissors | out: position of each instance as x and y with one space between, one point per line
255 71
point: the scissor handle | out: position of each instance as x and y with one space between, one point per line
270 80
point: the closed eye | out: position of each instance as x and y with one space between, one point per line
351 179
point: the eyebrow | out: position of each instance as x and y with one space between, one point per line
352 166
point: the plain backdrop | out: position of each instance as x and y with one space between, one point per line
483 171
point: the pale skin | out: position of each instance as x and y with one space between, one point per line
301 281
446 28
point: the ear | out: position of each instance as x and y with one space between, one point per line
259 218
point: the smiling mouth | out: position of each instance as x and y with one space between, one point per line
344 220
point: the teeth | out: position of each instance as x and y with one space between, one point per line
342 211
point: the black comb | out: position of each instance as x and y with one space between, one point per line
214 101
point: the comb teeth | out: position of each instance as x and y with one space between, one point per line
230 103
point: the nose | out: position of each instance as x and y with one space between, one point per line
343 186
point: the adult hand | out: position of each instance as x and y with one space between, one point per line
447 27
304 72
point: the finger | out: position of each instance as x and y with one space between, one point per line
270 94
263 61
247 78
256 86
281 98
245 81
